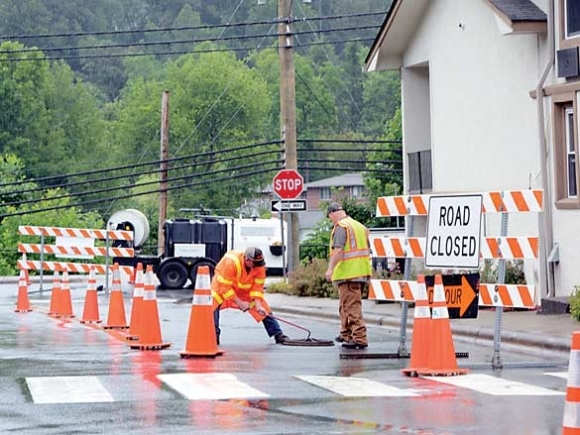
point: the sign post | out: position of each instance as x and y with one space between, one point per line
453 232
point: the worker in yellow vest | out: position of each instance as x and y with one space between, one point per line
349 268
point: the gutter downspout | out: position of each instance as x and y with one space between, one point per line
545 218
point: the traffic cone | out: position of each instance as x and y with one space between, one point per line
54 294
201 338
116 318
150 333
442 358
64 302
571 425
421 326
91 307
23 302
138 293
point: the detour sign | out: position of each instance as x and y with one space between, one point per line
461 294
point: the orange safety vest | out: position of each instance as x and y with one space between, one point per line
231 279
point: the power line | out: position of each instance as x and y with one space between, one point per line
184 28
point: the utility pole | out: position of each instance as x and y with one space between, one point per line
163 171
288 112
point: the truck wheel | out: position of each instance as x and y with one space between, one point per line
172 275
193 271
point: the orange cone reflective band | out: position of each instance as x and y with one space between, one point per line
150 333
22 302
571 424
54 294
91 307
138 293
201 338
116 318
442 359
421 327
64 303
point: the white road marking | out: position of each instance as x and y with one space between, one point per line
494 386
356 387
210 386
67 389
563 375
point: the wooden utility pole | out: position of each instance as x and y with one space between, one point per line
288 112
163 171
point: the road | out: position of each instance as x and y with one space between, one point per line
62 377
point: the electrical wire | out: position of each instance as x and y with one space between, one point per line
183 28
128 166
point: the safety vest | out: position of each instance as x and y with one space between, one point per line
231 279
355 262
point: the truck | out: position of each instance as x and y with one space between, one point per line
199 241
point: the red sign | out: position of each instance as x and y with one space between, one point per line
288 184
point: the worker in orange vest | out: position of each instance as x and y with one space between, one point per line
238 282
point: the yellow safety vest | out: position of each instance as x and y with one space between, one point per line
355 262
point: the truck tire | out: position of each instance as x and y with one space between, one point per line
172 274
193 271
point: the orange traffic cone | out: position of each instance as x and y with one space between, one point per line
91 307
138 293
54 294
571 425
421 327
201 338
64 303
23 302
442 358
116 318
150 336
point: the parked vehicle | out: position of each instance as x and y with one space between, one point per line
201 241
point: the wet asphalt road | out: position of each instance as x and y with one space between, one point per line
62 377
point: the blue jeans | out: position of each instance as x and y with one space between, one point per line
270 324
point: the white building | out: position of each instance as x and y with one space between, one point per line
471 72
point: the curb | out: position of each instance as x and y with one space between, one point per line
508 337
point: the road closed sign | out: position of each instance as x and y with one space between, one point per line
453 231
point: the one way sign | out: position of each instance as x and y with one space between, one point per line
293 205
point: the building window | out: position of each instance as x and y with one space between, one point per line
572 189
572 18
325 193
566 152
356 191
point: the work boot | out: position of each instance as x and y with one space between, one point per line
280 338
354 345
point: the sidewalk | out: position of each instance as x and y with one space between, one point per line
528 328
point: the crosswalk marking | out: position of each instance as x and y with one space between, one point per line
495 386
563 375
210 386
356 387
223 386
67 389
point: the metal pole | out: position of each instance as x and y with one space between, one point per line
496 361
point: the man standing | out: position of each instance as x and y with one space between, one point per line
238 282
350 269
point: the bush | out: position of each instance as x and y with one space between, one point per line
310 280
575 303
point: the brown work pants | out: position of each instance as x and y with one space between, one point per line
350 310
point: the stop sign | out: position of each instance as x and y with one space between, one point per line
288 184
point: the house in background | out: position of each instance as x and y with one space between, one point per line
324 191
490 96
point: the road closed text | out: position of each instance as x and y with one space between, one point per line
453 231
458 246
